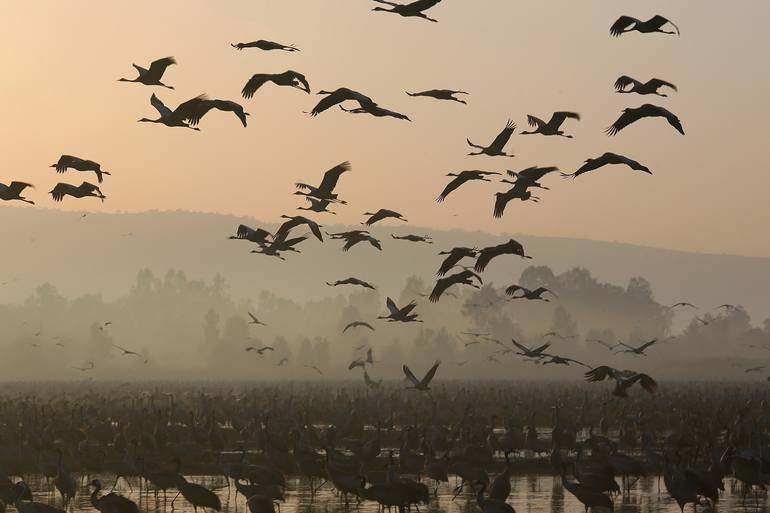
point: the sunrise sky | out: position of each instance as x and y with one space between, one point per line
709 191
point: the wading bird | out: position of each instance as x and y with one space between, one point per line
325 191
265 45
605 160
381 214
454 256
83 190
153 75
624 379
638 349
553 126
421 384
287 78
396 314
628 24
68 161
463 277
650 87
441 94
358 324
351 281
13 191
413 9
647 110
461 178
531 295
486 255
111 502
496 148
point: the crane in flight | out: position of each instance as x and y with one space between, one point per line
530 295
352 281
339 96
624 379
486 255
260 350
258 236
381 214
441 94
288 78
461 178
421 384
518 191
531 176
152 75
453 256
265 45
358 324
354 237
463 277
412 9
376 111
607 159
66 162
655 24
176 117
254 320
638 350
13 191
647 110
83 190
295 221
650 87
495 149
200 108
396 314
126 352
553 126
325 190
426 239
683 303
536 353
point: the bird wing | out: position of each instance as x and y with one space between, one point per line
559 117
624 81
300 78
600 373
633 164
410 375
535 173
658 21
649 384
157 68
451 186
160 106
337 97
646 345
629 116
542 290
542 348
522 348
254 83
392 308
535 121
432 372
253 318
503 137
501 201
656 83
485 256
510 291
331 177
673 120
441 285
422 5
408 308
16 188
622 24
194 108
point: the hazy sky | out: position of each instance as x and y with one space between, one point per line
710 187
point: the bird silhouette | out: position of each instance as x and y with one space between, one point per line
683 303
537 353
639 350
518 191
441 94
126 352
552 127
463 277
258 236
287 78
325 191
254 320
351 281
421 384
413 9
381 214
265 45
295 221
461 178
396 314
376 111
198 109
647 110
320 373
525 293
177 117
650 87
496 148
83 190
486 255
357 324
152 75
259 350
413 238
13 191
628 24
338 96
453 257
66 162
354 237
624 379
605 160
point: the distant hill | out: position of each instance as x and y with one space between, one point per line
102 253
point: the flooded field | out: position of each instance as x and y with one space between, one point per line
529 494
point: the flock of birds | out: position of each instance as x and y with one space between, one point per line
259 483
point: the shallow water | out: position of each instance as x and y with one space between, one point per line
529 494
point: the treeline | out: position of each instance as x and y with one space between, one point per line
183 328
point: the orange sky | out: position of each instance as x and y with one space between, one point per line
62 59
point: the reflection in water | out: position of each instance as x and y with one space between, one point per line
529 494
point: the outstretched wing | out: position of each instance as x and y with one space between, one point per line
522 348
622 24
392 308
15 188
658 21
503 137
410 375
542 348
656 83
559 117
422 5
432 372
624 81
600 373
159 106
646 345
512 290
331 177
451 186
157 68
254 83
649 384
625 119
